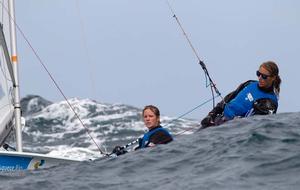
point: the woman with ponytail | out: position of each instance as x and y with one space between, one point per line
250 98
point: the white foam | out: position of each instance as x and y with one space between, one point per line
75 153
67 123
32 103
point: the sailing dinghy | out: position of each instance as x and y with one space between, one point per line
10 109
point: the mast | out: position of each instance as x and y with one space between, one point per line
17 105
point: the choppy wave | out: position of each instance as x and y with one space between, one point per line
261 152
54 129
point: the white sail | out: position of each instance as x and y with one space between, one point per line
6 80
10 103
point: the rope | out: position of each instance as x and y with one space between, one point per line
191 110
188 112
51 77
87 55
201 63
86 50
168 123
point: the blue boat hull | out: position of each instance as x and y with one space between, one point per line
14 161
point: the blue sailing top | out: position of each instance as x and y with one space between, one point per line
243 102
165 137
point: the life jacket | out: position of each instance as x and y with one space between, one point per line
244 100
146 138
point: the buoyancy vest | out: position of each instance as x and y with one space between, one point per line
146 138
243 102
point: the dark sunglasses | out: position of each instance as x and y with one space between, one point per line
263 76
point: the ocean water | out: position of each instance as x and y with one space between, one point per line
261 152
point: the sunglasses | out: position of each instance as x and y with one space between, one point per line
263 76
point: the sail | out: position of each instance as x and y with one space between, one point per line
6 78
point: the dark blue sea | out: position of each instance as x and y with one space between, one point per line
261 152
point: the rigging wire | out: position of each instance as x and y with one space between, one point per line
188 112
87 55
212 85
179 117
86 49
202 64
52 78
